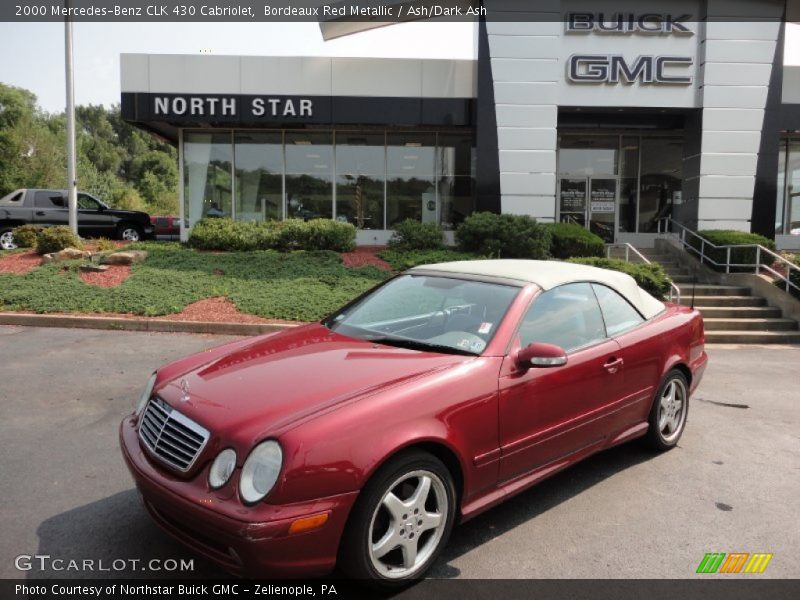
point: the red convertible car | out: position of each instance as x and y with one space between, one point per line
362 439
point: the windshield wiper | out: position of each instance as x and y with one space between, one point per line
419 345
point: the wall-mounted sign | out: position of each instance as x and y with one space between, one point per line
216 106
615 68
645 23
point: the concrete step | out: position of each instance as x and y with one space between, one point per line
678 272
739 312
752 337
723 300
684 279
750 324
707 289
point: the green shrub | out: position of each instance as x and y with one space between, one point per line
25 235
794 276
415 235
294 234
503 236
569 240
54 239
649 277
742 256
400 260
104 244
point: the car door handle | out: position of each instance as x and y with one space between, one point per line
613 364
40 213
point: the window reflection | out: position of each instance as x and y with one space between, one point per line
259 176
410 168
660 180
208 159
309 175
456 170
788 208
360 178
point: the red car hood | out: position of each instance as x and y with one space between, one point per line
265 386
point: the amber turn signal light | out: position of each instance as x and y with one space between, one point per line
308 523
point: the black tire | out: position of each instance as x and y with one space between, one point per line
7 239
356 548
124 229
660 437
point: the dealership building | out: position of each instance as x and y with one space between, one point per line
611 120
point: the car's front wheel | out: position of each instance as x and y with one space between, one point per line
130 233
669 412
401 522
7 239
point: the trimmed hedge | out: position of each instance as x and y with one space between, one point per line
400 260
415 235
649 277
794 276
503 236
25 235
568 240
55 239
293 234
726 237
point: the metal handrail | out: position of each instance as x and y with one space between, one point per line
701 253
674 290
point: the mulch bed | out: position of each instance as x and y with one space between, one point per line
114 276
365 256
19 263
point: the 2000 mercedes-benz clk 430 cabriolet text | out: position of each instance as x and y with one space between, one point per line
362 439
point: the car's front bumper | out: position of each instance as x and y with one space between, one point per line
260 547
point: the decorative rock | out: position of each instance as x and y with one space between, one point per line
93 268
47 259
125 258
71 254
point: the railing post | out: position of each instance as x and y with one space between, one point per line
758 259
702 251
728 260
627 253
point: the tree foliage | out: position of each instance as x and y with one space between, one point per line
122 165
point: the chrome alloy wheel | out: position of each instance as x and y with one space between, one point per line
130 234
408 524
672 410
7 241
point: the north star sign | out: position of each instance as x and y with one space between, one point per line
615 68
216 106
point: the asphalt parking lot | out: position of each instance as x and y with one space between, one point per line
731 486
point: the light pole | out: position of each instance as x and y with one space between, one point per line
72 176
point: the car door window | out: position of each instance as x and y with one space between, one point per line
618 313
48 200
567 316
86 202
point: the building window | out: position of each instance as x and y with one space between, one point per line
208 158
259 175
660 180
456 178
309 175
360 178
410 180
787 213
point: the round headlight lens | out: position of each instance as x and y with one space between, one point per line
222 468
260 471
146 392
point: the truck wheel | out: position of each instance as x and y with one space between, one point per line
7 239
130 233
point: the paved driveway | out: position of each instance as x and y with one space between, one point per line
732 485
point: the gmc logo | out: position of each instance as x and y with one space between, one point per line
613 68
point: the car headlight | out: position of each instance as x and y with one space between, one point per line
260 471
222 468
146 392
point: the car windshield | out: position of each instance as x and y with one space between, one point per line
425 312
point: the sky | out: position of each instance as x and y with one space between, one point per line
97 46
40 67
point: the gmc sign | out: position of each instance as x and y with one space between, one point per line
614 68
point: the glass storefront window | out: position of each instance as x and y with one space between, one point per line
588 154
208 159
791 203
660 180
259 176
628 182
410 169
309 175
360 178
456 179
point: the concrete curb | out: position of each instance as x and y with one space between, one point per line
120 324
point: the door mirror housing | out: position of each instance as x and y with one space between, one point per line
541 355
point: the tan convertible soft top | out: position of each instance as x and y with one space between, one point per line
548 274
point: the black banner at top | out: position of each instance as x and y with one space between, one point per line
376 12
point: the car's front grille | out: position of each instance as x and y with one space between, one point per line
170 436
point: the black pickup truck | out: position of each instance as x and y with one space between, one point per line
50 207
